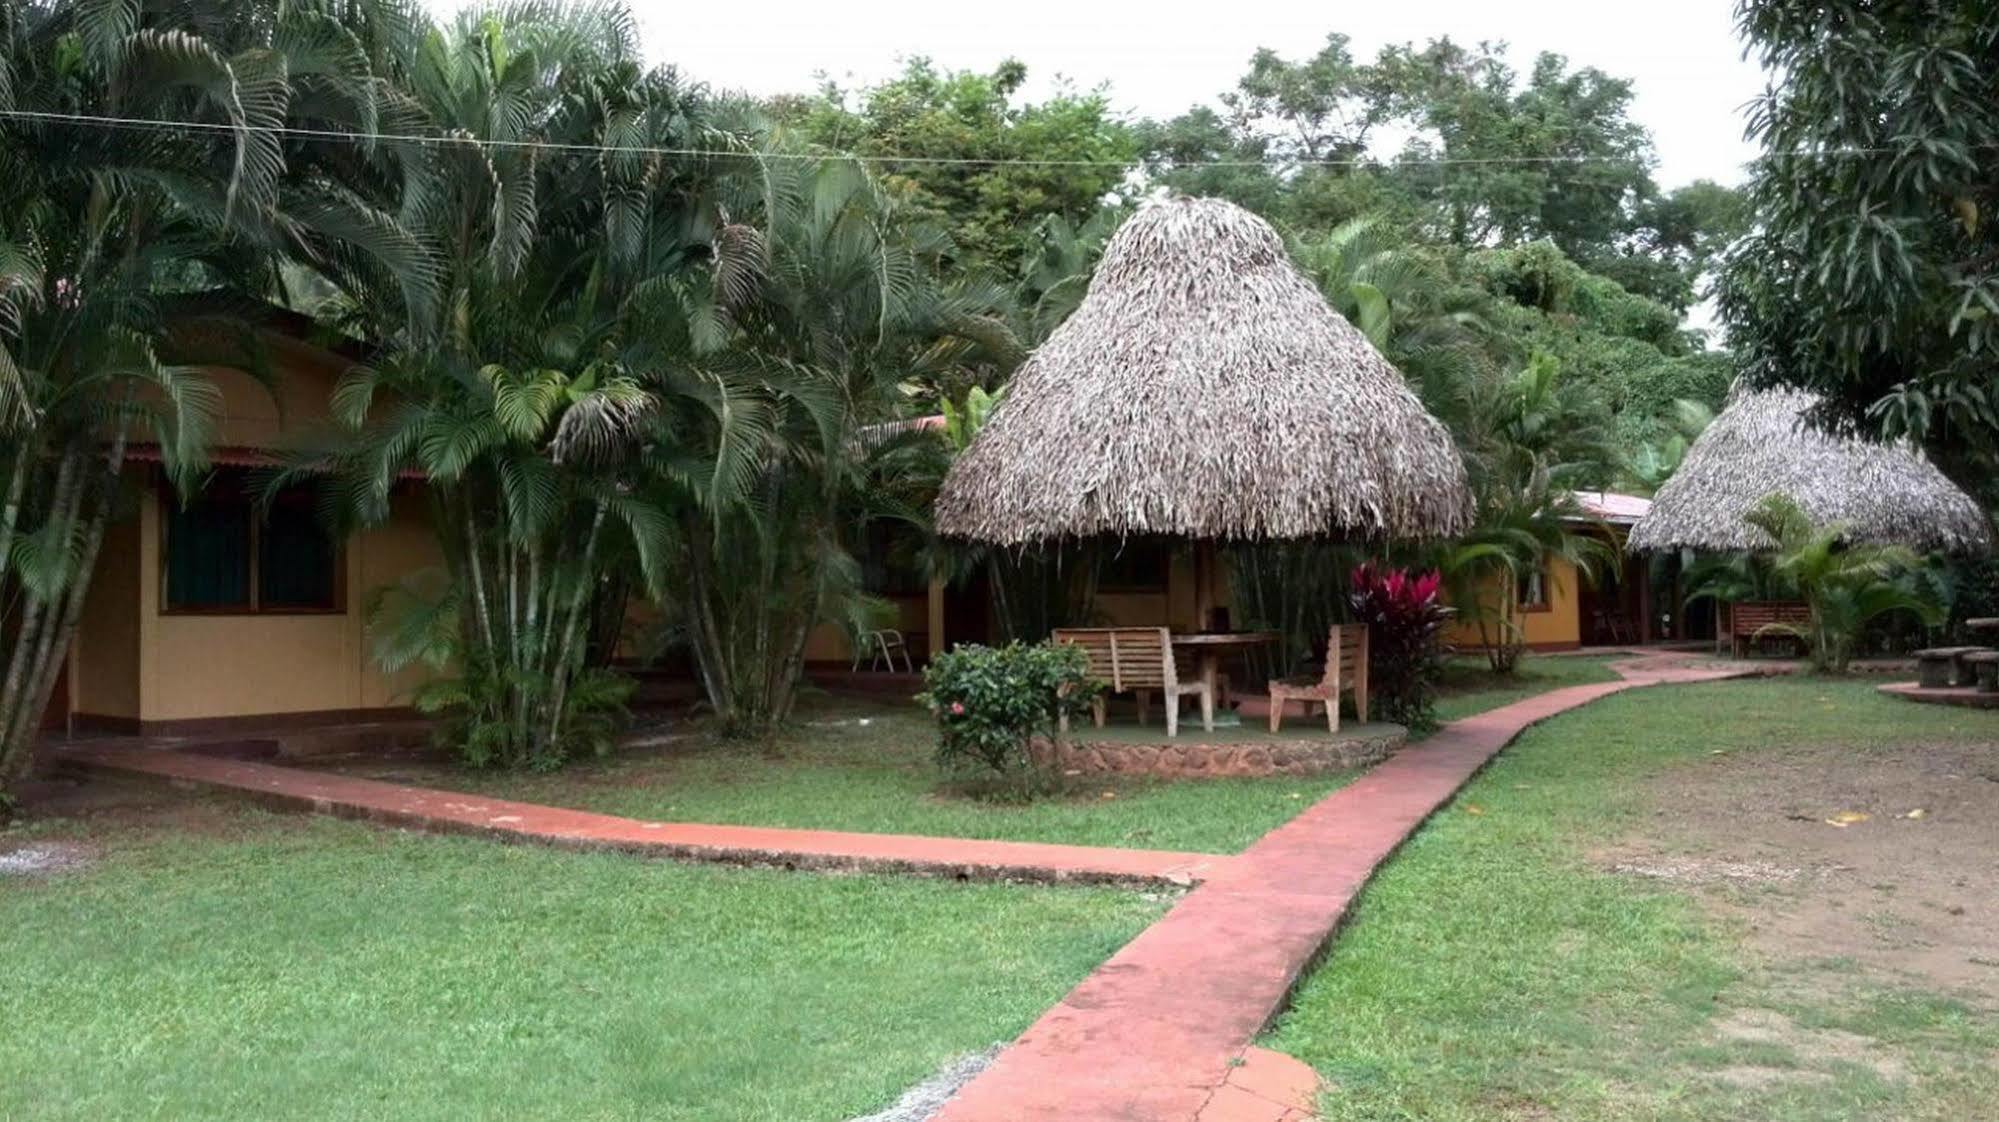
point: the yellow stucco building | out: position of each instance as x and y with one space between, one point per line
203 614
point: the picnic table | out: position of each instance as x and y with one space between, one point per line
1212 646
1984 623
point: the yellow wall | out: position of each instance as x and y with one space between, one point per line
1557 627
238 665
131 661
104 659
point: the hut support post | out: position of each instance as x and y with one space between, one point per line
1204 584
1644 603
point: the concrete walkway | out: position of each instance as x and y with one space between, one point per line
294 788
1162 1031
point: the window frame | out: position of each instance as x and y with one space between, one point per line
168 502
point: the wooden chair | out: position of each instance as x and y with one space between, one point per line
1137 660
1346 672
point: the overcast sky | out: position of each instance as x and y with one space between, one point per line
1161 57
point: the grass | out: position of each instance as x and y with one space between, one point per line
1491 971
850 765
311 968
1469 686
868 767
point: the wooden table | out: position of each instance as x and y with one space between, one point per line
1212 645
1985 623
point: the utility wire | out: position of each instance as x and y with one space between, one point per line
302 132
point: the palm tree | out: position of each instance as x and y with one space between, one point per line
115 243
521 378
1655 461
1846 584
835 335
1531 442
1404 301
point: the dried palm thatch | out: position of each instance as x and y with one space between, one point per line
1762 444
1205 389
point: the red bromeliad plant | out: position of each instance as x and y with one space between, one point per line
1405 616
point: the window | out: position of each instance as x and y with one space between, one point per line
1136 565
220 557
1533 591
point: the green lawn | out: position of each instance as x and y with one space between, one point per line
1493 971
868 767
849 765
286 967
1469 686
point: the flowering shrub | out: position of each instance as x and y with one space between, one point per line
1405 616
991 701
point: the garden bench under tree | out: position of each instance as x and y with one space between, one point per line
1137 660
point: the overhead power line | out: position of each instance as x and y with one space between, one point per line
351 137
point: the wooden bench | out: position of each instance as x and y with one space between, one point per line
1751 620
1346 672
1942 667
1137 660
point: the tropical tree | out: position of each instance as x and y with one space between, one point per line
827 344
1490 571
521 379
1021 160
124 253
1872 274
1534 441
1434 329
1655 461
1846 584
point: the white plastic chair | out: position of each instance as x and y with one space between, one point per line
883 644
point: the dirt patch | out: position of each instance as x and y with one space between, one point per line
1817 1048
127 808
1879 859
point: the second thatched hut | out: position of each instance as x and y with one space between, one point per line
1764 444
1205 390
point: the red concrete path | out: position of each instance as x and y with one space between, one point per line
449 811
1158 1032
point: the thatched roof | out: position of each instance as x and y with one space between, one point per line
1762 444
1205 389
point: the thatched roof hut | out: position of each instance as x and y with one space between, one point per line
1205 389
1763 444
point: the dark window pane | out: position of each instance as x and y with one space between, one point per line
208 554
295 568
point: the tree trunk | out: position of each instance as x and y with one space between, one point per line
28 639
577 598
481 610
64 633
710 660
10 514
